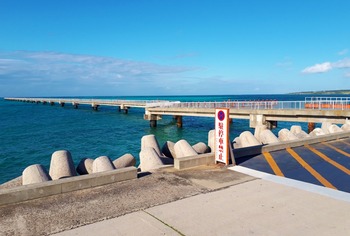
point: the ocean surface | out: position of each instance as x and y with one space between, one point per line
31 132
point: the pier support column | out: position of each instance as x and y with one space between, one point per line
52 103
179 121
310 127
153 123
152 119
126 110
119 109
75 105
95 107
271 124
62 104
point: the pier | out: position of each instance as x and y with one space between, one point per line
311 110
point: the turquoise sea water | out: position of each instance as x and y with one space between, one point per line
30 132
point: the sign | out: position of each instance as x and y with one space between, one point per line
222 130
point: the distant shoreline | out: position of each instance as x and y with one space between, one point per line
325 92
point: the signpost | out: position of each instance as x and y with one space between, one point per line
222 140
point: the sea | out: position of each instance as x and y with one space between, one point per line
31 132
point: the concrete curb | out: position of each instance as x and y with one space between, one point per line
49 188
193 161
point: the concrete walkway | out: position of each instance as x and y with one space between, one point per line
265 206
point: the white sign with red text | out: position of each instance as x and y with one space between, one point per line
222 128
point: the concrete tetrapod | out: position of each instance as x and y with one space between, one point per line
298 132
102 163
286 135
334 129
124 161
247 139
345 127
267 137
258 130
150 141
168 149
184 149
201 148
149 159
237 143
211 140
316 132
35 174
61 165
325 126
85 166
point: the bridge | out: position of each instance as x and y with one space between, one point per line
269 112
95 103
312 110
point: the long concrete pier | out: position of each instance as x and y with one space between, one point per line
313 110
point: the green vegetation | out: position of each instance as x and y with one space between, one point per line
344 92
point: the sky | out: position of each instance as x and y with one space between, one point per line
173 47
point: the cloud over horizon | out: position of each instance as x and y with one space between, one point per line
327 66
53 70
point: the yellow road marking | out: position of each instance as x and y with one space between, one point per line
324 157
343 141
310 169
272 164
337 149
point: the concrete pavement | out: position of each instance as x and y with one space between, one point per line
267 205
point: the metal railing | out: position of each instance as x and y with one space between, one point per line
296 105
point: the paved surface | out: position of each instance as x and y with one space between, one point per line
208 200
326 164
256 207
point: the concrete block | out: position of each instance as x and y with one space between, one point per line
325 126
35 174
247 139
298 132
168 149
334 129
124 161
237 143
201 148
267 137
193 161
102 163
346 127
85 166
258 130
149 159
184 149
317 132
61 165
113 176
211 140
286 135
150 141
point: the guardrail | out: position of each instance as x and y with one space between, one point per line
295 105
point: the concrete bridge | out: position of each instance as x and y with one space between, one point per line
95 103
268 112
334 110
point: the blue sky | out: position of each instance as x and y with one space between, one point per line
173 47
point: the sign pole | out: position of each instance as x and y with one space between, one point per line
222 131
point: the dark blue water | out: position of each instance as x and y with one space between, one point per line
30 132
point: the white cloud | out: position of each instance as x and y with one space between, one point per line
64 72
327 66
345 63
318 68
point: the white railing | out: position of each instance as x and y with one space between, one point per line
295 105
